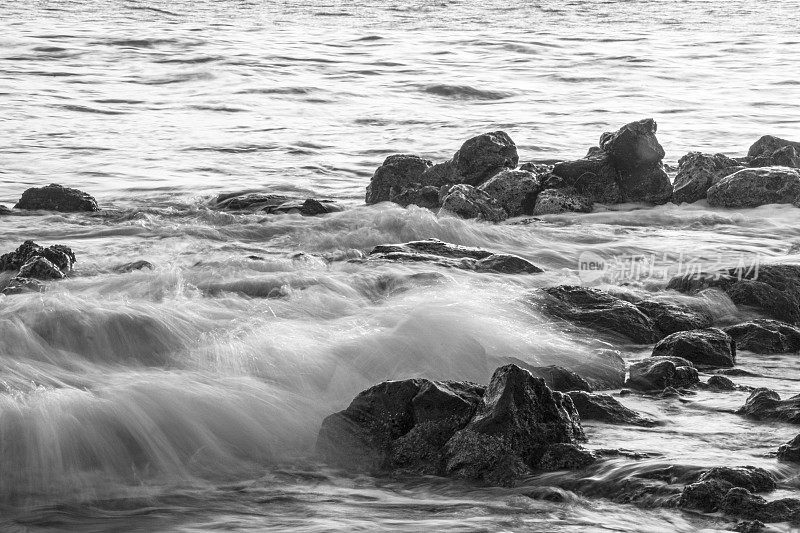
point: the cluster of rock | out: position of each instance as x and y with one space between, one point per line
34 264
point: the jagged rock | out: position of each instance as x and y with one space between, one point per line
704 496
720 383
55 258
709 492
40 268
670 318
710 347
765 336
753 187
565 457
788 156
135 265
560 379
309 207
633 146
426 196
249 201
658 373
513 190
57 198
4 210
483 156
790 452
766 404
468 202
740 502
601 311
608 409
697 172
398 171
566 200
453 256
593 179
768 145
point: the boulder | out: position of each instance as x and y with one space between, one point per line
601 311
308 207
468 202
605 408
709 348
249 201
658 373
670 318
560 379
453 256
397 171
565 200
565 457
634 146
768 145
58 256
765 336
593 179
705 496
753 187
697 172
4 210
720 383
40 268
483 156
57 198
513 190
790 452
646 185
788 156
426 196
741 502
709 492
766 404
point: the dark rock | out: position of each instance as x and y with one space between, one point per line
790 452
765 336
397 171
135 265
697 172
633 146
481 157
56 198
565 200
454 256
767 145
560 379
753 187
600 310
671 317
708 494
36 262
249 201
309 207
788 156
20 285
649 185
604 370
740 502
594 178
481 457
749 526
658 373
720 383
468 202
751 478
514 190
4 210
704 496
426 196
40 268
565 457
709 347
605 408
766 404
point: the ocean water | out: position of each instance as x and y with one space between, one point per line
187 398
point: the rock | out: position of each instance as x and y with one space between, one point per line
514 190
453 256
560 379
788 156
633 146
753 187
480 457
397 171
790 452
767 145
710 347
766 404
751 478
765 336
249 201
749 526
604 370
20 285
670 318
565 457
426 196
135 265
4 210
56 198
601 311
566 200
308 207
605 408
58 256
468 202
648 185
593 178
740 502
704 496
697 172
720 383
40 268
658 373
481 157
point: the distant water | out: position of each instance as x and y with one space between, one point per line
188 397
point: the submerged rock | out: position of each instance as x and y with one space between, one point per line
601 311
565 200
57 198
515 191
697 172
765 336
398 172
468 202
308 207
605 408
20 285
790 452
249 201
753 187
134 265
766 404
720 383
658 373
710 347
453 256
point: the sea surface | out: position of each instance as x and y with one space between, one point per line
188 397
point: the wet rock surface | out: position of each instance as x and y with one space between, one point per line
426 196
753 187
770 150
710 347
515 191
606 408
697 172
249 201
766 404
560 379
709 492
790 452
659 373
33 264
309 207
453 256
765 336
564 200
55 197
468 202
397 172
670 318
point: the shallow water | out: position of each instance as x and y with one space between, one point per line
188 397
